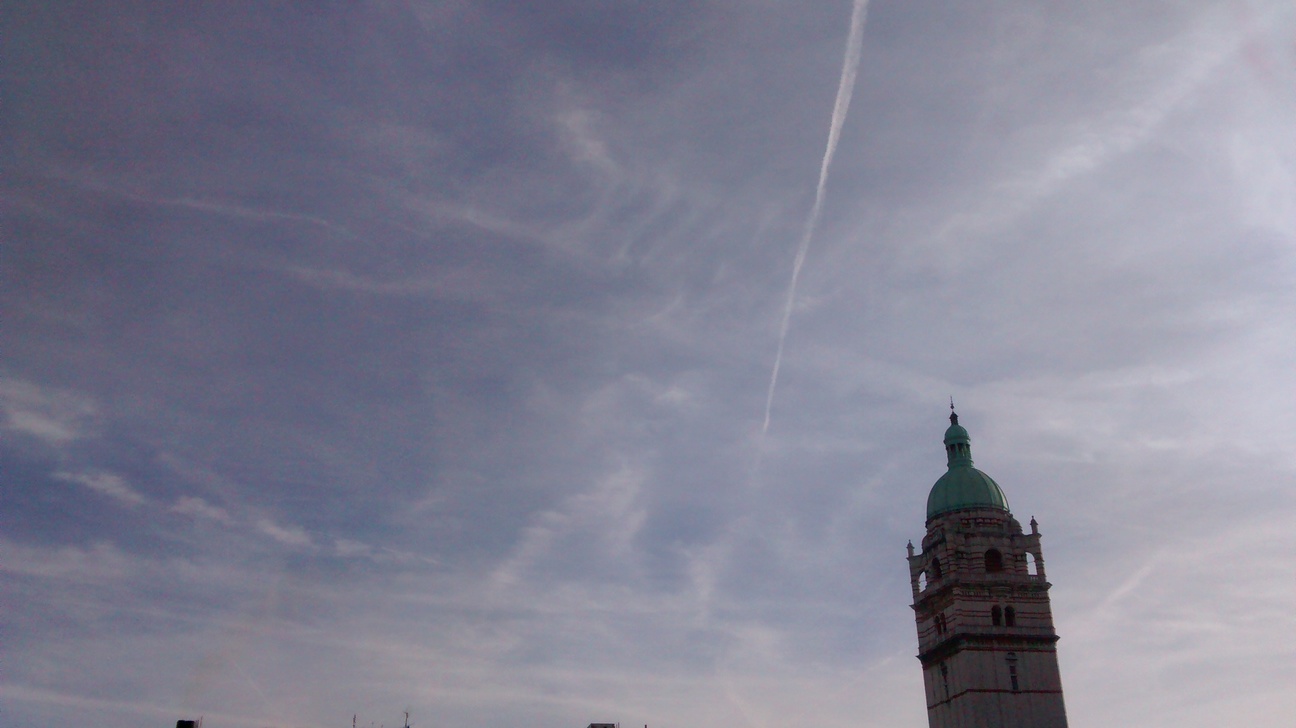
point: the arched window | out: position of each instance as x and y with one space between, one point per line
1011 659
922 581
1032 567
993 561
935 569
1010 617
996 615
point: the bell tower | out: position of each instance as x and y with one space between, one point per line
985 630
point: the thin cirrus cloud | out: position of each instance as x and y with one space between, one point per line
418 355
52 415
108 484
293 536
195 506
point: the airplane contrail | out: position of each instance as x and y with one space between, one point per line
845 87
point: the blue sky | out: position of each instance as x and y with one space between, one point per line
370 357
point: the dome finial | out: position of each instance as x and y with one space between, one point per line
957 442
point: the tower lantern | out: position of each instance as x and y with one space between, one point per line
985 630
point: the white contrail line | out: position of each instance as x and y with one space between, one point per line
845 87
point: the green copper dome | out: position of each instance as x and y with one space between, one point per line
962 486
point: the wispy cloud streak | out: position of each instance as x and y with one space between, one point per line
845 87
113 486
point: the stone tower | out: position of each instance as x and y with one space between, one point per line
985 631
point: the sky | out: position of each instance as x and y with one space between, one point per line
554 363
